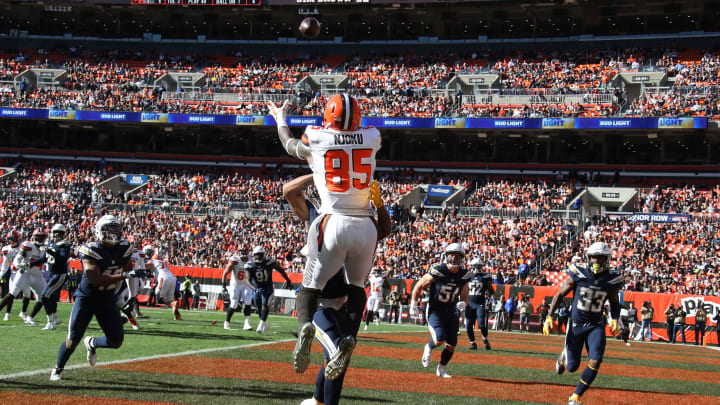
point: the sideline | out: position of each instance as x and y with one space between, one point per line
157 356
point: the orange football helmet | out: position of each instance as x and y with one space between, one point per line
342 112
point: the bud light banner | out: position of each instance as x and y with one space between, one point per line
439 191
136 179
558 123
107 116
449 122
250 120
61 114
157 118
23 113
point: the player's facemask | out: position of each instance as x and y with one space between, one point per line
599 264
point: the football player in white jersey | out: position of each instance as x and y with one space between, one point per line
240 287
8 254
135 284
341 155
377 282
28 276
165 290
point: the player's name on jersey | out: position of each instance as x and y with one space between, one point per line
349 139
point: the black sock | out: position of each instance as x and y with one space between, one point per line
229 315
306 304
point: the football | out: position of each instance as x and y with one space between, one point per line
310 27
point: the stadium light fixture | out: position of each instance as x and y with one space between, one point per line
652 135
482 135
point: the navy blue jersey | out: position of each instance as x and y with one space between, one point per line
591 292
110 259
261 273
57 255
446 288
479 284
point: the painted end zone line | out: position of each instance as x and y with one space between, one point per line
157 356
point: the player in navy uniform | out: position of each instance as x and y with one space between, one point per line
106 263
479 288
447 281
590 286
260 274
57 254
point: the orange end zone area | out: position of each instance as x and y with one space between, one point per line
421 382
693 355
488 358
24 398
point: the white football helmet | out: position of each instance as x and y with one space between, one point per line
598 250
454 248
476 265
258 253
108 230
57 233
148 250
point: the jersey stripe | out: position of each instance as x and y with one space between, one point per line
88 252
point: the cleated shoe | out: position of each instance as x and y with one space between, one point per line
441 372
574 400
56 374
301 353
91 355
339 361
487 344
427 356
473 346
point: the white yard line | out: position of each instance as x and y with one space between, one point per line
157 356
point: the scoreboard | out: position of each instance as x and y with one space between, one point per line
197 2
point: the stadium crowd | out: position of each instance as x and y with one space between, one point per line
657 257
387 86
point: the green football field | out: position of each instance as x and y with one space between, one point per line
193 361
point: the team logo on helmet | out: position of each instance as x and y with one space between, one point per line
342 112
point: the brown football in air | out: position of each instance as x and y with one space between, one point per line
310 27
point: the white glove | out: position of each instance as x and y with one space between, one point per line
279 113
461 306
413 311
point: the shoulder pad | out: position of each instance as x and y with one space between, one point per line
128 248
249 265
576 271
436 270
466 276
270 261
63 243
90 250
616 277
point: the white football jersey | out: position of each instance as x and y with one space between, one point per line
343 165
161 269
138 260
8 254
239 274
376 283
31 256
